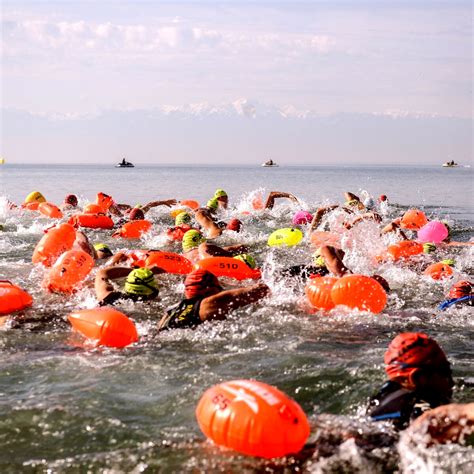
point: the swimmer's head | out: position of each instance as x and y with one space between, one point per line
460 289
71 199
318 259
103 250
220 193
429 247
182 218
449 261
234 224
382 198
136 214
141 283
192 239
201 283
212 204
246 258
416 361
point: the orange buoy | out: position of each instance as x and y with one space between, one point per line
133 229
50 210
106 326
93 208
169 261
257 203
57 240
318 291
189 203
319 238
13 298
404 250
92 221
136 258
252 418
359 292
413 219
228 267
31 206
69 271
175 212
104 201
439 271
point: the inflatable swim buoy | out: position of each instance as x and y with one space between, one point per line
252 418
359 292
69 271
106 326
318 291
92 221
50 210
413 219
320 238
189 203
104 201
433 231
404 250
133 229
439 271
228 267
13 298
57 240
31 206
169 261
92 208
287 236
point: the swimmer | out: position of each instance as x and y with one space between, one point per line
182 224
270 202
353 201
322 211
140 284
206 300
420 378
102 251
205 218
460 294
222 198
70 202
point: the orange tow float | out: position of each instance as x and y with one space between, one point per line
228 267
57 240
133 229
50 210
13 298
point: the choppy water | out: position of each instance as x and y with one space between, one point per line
67 408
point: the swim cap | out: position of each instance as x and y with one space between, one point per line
35 196
302 217
136 214
191 239
71 199
429 247
182 218
103 248
141 282
410 351
460 289
212 204
199 282
382 198
246 258
318 259
448 261
353 202
234 224
220 193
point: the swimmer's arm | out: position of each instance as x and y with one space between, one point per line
348 196
103 285
204 220
119 257
333 261
270 202
123 207
394 227
218 306
319 214
83 243
150 205
364 217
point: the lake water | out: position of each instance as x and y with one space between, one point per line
68 408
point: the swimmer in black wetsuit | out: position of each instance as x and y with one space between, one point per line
205 299
419 379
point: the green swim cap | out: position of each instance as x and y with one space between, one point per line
102 247
220 193
182 218
212 204
318 259
141 282
428 247
352 202
448 261
246 258
191 239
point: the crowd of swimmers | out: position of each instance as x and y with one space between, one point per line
419 373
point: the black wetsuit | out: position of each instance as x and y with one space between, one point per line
115 296
398 405
303 271
183 315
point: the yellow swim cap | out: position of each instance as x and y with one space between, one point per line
212 204
220 193
182 218
35 196
318 259
141 282
191 239
246 258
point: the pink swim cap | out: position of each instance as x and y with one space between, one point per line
302 217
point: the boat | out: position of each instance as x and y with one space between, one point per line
450 164
125 164
269 164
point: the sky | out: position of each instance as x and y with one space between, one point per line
129 77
